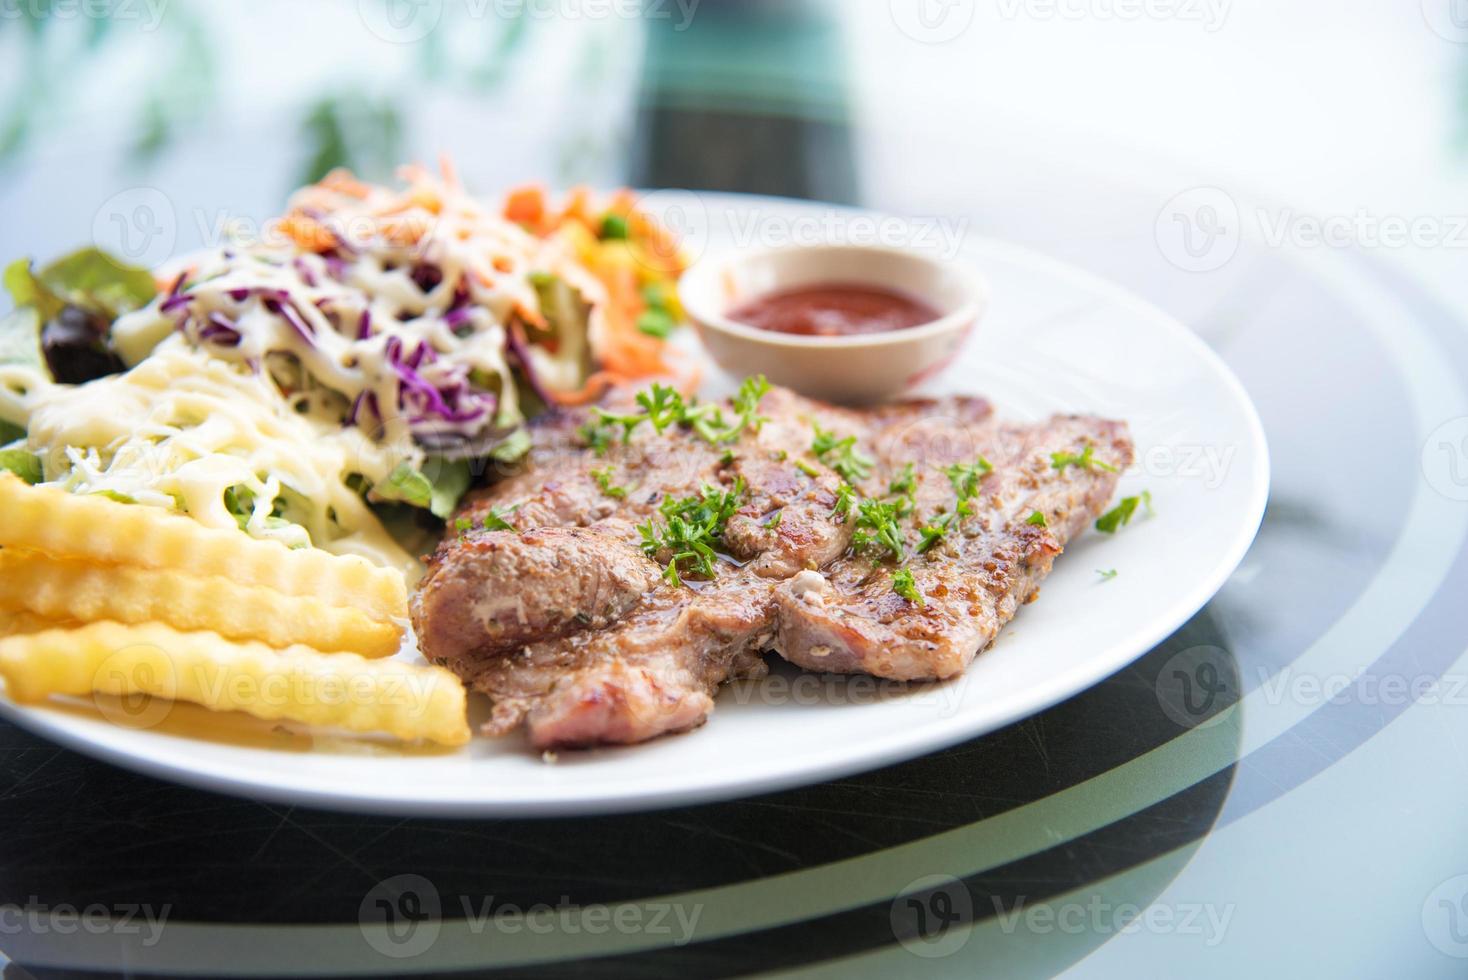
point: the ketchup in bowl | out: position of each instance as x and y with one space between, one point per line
834 310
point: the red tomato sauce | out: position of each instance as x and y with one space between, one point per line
834 310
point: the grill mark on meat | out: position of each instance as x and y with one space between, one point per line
576 672
655 671
977 577
489 592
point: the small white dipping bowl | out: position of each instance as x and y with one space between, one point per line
854 369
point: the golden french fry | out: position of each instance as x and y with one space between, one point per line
330 690
67 588
68 525
13 621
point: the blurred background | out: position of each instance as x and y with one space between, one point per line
1051 122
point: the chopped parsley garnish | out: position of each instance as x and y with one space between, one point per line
876 524
965 477
691 527
1037 519
774 522
463 524
931 534
1085 460
1107 574
905 482
603 478
841 455
610 420
728 458
845 498
1121 515
808 468
495 520
598 437
903 585
746 403
663 406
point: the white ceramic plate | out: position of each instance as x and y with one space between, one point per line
1055 339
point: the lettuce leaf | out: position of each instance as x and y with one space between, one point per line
89 278
407 485
439 496
26 465
453 480
63 310
20 338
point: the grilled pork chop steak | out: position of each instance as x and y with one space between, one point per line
846 618
572 631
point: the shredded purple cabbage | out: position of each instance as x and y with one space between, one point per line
281 306
435 397
176 301
219 330
455 402
304 271
521 355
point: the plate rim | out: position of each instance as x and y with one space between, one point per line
941 733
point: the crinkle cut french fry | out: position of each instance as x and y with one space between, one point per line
329 690
67 588
94 527
13 621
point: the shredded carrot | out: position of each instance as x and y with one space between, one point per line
310 234
450 172
526 206
648 255
532 317
657 244
406 230
578 208
342 181
592 389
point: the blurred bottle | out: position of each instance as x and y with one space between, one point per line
745 95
